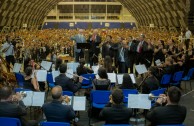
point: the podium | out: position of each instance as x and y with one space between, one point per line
83 46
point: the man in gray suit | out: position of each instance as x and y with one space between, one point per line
79 38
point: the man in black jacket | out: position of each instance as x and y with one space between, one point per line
171 113
116 112
66 83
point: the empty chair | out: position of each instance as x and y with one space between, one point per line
6 121
54 124
177 77
188 77
50 80
20 79
165 81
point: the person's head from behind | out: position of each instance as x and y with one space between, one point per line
63 68
117 96
174 95
5 93
102 73
127 82
82 62
28 71
57 92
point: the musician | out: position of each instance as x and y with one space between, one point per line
13 106
188 35
79 38
94 50
8 49
171 113
159 52
108 65
106 47
55 111
127 82
66 83
148 54
81 69
115 111
132 52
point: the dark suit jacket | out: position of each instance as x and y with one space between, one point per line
66 83
170 114
93 45
55 111
116 114
106 50
126 56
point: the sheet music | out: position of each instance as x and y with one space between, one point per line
46 65
69 73
141 69
41 75
17 67
28 99
140 101
112 77
73 66
55 74
79 103
95 69
119 78
158 62
38 99
133 78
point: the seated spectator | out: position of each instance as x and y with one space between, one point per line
127 82
115 112
66 83
55 111
12 106
102 83
171 113
29 82
81 69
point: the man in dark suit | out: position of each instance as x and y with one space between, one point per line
115 112
123 59
94 50
106 47
12 106
171 113
66 83
132 52
55 111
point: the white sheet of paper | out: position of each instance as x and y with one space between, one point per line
17 67
141 69
95 69
79 103
55 74
140 101
28 99
41 75
38 99
133 78
112 77
43 64
72 66
46 65
158 62
69 73
119 78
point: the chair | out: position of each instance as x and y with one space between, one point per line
21 89
69 93
126 92
6 121
117 125
157 93
172 125
177 77
54 124
188 77
50 81
87 83
165 79
20 79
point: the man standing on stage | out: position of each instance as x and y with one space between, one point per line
8 49
79 38
94 50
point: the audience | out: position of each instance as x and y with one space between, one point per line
66 83
55 111
115 112
171 112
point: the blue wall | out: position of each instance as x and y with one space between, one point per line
86 25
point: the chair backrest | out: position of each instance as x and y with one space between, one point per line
158 92
69 93
117 125
165 79
6 121
90 77
19 77
21 89
54 124
190 73
100 96
50 78
177 77
128 91
172 125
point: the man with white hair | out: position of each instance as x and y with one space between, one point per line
188 35
79 38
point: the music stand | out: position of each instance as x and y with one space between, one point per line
83 45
